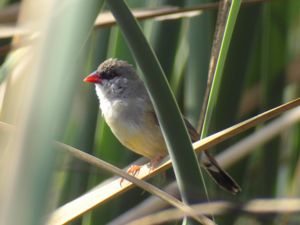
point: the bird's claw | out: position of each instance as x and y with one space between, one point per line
132 170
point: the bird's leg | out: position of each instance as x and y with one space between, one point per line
154 162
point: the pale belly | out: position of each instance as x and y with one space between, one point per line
146 141
141 136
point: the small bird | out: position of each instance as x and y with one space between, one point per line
128 111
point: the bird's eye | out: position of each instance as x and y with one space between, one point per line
104 75
108 75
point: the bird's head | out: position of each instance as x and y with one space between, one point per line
114 78
111 70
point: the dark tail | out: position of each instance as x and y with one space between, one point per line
212 166
219 175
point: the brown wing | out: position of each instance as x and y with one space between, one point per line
210 164
192 131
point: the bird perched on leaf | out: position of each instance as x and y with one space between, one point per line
128 111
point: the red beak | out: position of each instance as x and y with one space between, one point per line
93 78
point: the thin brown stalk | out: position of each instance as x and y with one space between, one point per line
223 135
219 32
10 14
105 19
243 148
253 207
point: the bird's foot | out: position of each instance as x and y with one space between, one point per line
132 170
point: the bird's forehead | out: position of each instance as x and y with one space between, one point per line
106 67
112 64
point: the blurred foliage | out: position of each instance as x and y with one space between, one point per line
264 45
